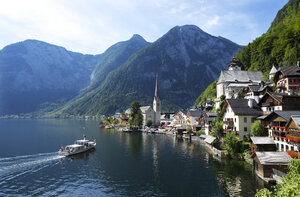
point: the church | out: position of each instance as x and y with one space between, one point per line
153 113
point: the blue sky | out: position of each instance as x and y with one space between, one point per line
91 26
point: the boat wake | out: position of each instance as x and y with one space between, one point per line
12 167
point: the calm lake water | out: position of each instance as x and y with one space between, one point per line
122 164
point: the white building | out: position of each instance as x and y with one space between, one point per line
235 79
239 114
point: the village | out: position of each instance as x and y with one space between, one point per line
250 119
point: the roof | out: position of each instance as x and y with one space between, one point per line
280 97
296 119
203 136
211 114
261 117
209 139
287 71
285 114
273 70
262 140
240 76
74 146
240 107
144 108
195 113
273 158
81 140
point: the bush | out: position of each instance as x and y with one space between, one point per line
200 132
232 144
149 123
258 129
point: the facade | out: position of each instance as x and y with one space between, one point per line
276 122
234 80
287 79
279 102
193 118
205 120
180 119
238 115
293 127
256 92
148 114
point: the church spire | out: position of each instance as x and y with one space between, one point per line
156 87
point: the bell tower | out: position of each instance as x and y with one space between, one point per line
156 104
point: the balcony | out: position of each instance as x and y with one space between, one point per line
278 128
228 122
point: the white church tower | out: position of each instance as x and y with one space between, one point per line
156 104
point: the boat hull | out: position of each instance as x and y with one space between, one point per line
66 153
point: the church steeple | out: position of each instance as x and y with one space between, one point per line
156 104
156 87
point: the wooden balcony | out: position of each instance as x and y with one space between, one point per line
228 122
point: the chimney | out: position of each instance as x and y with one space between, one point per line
250 103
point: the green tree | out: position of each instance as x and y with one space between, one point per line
258 129
232 144
217 128
149 123
290 185
222 100
135 113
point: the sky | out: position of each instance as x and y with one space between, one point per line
91 26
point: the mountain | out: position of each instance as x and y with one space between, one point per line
36 75
186 59
114 57
280 45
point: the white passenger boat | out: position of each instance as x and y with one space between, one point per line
78 147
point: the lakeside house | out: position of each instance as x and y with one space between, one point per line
267 163
180 118
206 119
234 80
262 144
279 102
238 115
287 78
193 118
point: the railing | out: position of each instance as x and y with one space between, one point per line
278 173
228 122
278 128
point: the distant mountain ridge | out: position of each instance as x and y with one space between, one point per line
186 59
35 74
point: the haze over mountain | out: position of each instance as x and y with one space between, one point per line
35 75
186 59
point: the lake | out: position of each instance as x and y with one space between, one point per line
121 165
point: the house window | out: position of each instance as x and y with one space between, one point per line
234 119
292 80
245 119
245 128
